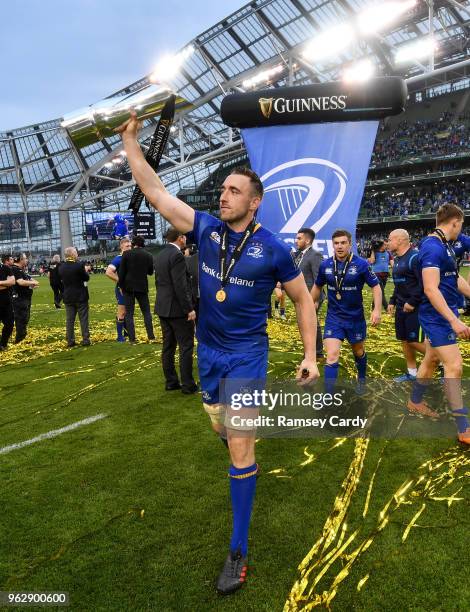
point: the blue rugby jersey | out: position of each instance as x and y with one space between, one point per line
433 253
382 261
407 278
116 262
461 245
350 305
238 324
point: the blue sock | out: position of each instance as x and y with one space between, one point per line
120 328
331 375
242 492
417 392
361 365
460 416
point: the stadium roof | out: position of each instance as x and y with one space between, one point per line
267 36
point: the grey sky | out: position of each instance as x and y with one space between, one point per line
59 55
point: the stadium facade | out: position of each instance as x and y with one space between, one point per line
47 184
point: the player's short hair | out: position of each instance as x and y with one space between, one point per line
5 257
172 234
56 258
447 212
138 241
256 184
341 232
308 231
123 240
19 256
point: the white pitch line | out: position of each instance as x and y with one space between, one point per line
52 434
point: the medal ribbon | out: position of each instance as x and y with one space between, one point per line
339 276
226 268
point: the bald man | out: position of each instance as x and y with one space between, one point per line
405 300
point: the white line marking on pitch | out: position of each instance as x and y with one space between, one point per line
52 434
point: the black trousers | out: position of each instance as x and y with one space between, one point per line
71 311
7 318
144 305
22 312
58 294
178 332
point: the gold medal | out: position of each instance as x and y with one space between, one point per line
338 296
220 295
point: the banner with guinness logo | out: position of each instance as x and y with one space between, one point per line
313 176
337 101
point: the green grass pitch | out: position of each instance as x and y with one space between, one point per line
132 512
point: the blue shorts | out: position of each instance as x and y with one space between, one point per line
407 327
439 333
353 330
216 365
119 296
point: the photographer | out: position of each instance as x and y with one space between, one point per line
379 259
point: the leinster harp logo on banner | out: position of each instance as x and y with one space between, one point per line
266 106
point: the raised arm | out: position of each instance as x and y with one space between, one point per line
176 212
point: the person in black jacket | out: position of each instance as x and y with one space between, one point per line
7 280
175 309
22 294
55 281
136 265
192 264
74 275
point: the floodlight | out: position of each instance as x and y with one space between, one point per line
330 42
169 66
264 75
359 72
377 17
417 50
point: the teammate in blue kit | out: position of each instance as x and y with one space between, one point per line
439 317
461 246
240 263
345 274
120 227
405 300
112 272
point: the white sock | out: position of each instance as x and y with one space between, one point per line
412 371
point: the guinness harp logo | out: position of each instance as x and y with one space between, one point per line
266 106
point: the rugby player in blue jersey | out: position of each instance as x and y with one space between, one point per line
405 300
345 274
240 263
439 317
112 272
120 227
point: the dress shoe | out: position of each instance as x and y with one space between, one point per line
172 387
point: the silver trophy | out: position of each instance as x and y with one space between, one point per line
93 123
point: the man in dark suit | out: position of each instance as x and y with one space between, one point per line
192 264
308 260
7 280
75 277
175 308
136 265
55 281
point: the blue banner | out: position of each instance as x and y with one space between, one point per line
313 176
